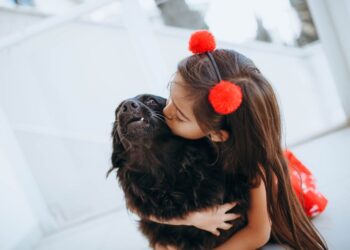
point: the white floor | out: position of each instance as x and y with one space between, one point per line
115 231
327 158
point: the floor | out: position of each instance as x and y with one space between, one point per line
327 157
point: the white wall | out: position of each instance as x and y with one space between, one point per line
59 91
332 19
18 221
10 23
62 118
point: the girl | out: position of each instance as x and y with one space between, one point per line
222 95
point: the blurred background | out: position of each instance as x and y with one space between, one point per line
66 64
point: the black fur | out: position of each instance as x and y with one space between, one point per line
167 176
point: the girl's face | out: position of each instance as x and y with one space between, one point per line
178 111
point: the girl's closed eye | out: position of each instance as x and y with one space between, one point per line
177 117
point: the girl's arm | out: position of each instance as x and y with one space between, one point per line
257 232
253 236
210 219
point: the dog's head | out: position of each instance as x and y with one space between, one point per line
139 118
137 122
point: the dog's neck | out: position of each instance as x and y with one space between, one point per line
150 155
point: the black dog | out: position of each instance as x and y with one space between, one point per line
167 176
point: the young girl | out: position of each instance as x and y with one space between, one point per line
222 95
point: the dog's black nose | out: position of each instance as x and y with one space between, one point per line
130 106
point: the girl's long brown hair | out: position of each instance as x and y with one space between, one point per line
255 140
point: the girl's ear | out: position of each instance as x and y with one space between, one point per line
219 136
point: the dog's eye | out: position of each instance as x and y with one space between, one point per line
150 102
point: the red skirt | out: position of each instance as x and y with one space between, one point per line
304 186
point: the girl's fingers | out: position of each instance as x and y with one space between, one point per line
171 248
225 226
227 206
229 217
154 219
160 247
216 232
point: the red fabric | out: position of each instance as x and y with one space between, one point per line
201 41
304 186
225 97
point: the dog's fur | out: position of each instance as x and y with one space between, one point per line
167 176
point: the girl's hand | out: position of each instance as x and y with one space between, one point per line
161 247
209 219
213 218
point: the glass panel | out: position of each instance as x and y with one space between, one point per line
285 22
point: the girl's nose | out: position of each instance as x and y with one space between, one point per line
167 111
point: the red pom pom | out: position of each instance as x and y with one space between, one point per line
225 97
201 41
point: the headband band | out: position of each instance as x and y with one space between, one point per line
211 58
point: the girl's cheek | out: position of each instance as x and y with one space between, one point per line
174 127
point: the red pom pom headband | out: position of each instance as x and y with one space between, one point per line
225 97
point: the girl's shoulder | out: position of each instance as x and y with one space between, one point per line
262 174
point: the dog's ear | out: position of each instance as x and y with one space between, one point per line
161 100
117 150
